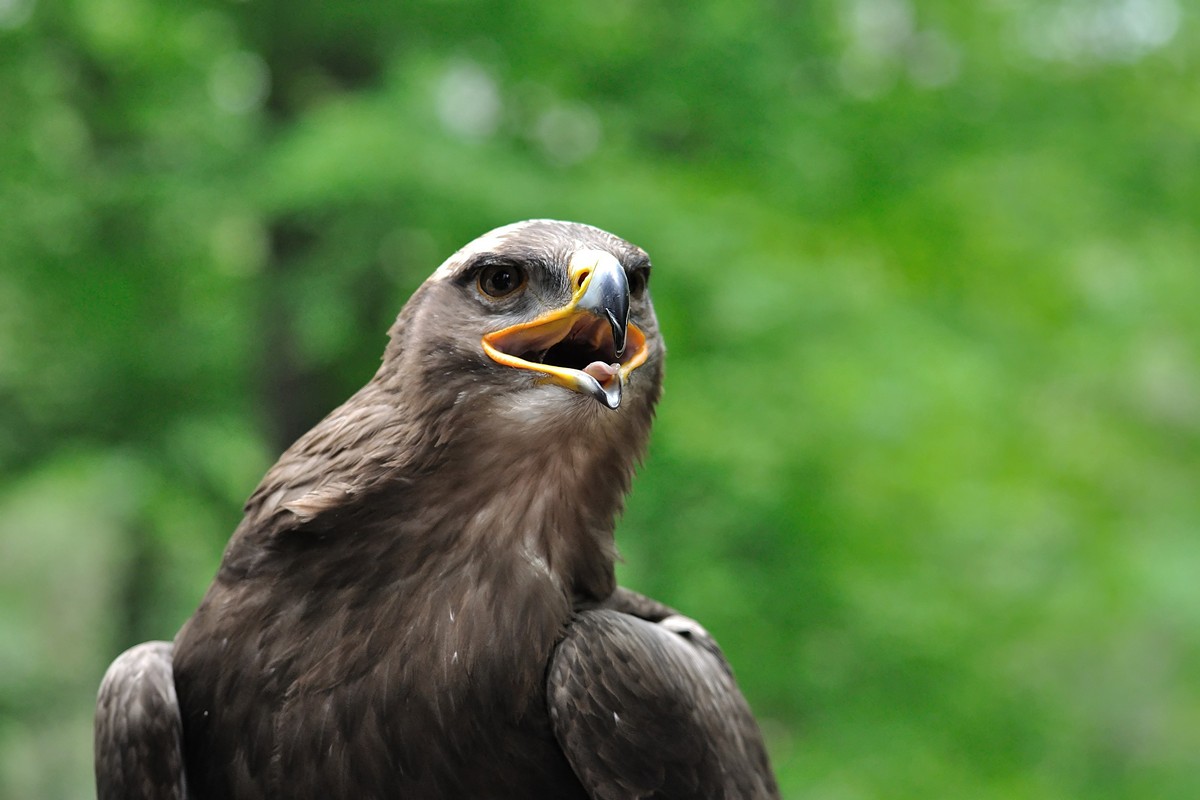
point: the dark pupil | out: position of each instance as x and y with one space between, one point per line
637 283
500 280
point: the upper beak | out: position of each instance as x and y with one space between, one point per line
589 345
605 293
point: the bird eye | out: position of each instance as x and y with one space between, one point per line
637 281
500 280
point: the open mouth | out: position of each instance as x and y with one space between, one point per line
571 348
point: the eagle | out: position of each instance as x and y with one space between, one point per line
420 600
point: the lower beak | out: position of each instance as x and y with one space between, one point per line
589 345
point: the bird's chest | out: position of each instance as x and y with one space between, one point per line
442 712
432 689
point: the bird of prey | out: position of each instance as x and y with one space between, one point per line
420 600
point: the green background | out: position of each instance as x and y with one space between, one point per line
927 464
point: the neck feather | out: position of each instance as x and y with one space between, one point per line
541 483
537 479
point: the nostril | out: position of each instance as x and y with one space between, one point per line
581 278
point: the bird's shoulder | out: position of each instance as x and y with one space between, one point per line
644 703
138 748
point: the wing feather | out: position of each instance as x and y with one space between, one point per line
139 753
650 709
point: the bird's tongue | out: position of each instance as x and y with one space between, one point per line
602 372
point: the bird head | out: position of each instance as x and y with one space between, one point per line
551 317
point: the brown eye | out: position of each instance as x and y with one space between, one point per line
500 280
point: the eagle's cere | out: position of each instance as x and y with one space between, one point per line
420 600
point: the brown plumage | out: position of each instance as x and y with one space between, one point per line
420 601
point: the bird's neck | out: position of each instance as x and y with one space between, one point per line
546 488
539 480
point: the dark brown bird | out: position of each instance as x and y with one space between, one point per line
420 601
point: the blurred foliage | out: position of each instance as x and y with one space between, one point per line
927 463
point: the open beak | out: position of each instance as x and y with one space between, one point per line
589 345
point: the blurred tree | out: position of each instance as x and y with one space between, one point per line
926 464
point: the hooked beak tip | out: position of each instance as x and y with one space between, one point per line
618 332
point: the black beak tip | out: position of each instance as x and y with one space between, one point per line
618 332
